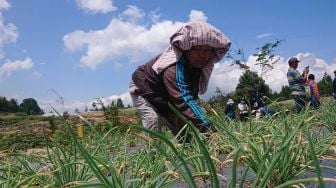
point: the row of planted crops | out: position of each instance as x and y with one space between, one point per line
280 151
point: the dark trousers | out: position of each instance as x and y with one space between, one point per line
300 102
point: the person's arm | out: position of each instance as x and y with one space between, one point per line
302 78
305 74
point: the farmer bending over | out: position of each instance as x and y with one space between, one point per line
177 76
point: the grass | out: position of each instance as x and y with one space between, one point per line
275 150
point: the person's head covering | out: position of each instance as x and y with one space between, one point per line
230 101
193 34
293 60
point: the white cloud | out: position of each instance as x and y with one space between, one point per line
132 14
226 77
37 74
8 32
11 66
4 4
71 106
121 39
124 38
49 105
264 35
196 15
125 97
154 16
96 6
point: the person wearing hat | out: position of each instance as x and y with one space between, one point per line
177 76
230 110
296 83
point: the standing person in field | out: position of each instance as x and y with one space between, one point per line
177 76
315 94
296 82
334 85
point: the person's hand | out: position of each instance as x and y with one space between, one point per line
208 129
212 128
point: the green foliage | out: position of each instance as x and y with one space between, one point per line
8 106
120 103
3 104
250 83
30 106
274 152
111 114
325 85
13 105
266 57
285 94
20 140
218 102
237 58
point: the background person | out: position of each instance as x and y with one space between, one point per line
264 109
296 83
230 110
315 94
177 76
243 109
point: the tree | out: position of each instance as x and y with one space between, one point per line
218 92
265 57
3 104
94 105
237 58
285 93
120 103
13 105
325 85
30 106
66 115
251 84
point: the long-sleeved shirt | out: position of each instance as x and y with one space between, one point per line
178 84
296 82
170 78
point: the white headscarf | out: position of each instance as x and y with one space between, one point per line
193 34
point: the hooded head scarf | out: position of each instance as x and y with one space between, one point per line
194 34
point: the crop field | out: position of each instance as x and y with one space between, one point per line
285 150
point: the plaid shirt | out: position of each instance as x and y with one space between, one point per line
296 82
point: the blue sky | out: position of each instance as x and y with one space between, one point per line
84 49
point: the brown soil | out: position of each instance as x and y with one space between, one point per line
38 128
